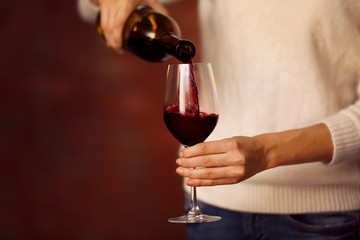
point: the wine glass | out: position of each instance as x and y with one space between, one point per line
190 114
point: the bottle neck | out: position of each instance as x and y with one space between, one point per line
183 50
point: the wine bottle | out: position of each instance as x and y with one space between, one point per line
153 36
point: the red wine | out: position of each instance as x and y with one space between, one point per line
189 128
194 91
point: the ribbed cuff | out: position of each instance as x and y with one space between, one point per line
345 136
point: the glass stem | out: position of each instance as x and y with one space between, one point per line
194 208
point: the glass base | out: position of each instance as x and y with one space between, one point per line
198 218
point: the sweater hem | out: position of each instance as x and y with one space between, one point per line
280 199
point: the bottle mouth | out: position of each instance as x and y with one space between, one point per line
185 51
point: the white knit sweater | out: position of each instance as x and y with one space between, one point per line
285 64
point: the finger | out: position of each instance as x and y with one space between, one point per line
122 14
204 148
116 35
210 160
212 173
105 22
112 33
211 182
113 18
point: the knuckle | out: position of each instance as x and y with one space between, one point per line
238 172
106 27
232 143
188 173
212 182
118 23
117 38
203 148
206 161
196 183
209 173
238 159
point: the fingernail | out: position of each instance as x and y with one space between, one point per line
178 161
189 182
181 154
180 171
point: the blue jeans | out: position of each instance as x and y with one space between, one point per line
249 226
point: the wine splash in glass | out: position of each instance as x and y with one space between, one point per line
191 114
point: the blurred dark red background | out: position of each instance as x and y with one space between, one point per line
84 152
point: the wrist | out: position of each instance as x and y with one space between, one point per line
270 147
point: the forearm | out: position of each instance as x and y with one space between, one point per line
305 145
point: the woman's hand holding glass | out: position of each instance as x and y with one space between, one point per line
227 161
233 160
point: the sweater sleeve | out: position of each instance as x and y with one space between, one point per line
345 131
87 10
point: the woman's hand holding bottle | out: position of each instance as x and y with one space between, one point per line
114 14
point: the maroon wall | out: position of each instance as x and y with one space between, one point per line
84 152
